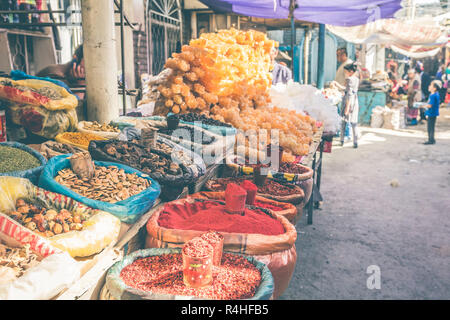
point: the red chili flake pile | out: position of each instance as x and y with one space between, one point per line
270 186
197 248
289 167
236 278
212 215
267 205
215 239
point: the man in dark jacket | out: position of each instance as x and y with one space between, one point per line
425 83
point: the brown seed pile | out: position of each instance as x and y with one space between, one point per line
109 184
236 278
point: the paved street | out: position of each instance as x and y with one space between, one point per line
363 221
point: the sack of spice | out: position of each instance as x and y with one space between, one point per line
33 214
124 274
128 210
287 210
103 130
19 160
263 234
78 139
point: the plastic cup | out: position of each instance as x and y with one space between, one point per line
197 271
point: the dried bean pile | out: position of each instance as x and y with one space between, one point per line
109 184
183 132
14 159
141 158
236 278
47 222
193 117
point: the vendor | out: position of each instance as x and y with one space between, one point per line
72 72
343 59
280 73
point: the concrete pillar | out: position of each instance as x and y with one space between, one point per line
100 60
321 57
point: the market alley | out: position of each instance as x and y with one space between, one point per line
364 221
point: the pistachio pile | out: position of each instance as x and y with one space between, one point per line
47 222
95 126
109 184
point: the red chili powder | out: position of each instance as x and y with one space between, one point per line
267 205
251 189
210 215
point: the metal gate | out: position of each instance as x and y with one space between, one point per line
163 32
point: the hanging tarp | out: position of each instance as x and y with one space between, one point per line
417 52
340 13
393 31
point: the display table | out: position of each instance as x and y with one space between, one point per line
367 101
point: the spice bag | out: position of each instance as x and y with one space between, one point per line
277 252
172 185
223 131
303 180
30 174
289 211
41 121
33 92
61 139
127 211
295 198
118 290
55 271
103 134
100 230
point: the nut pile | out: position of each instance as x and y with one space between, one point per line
109 184
236 278
95 126
15 261
47 222
141 158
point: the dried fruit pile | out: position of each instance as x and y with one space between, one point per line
193 134
47 222
95 126
288 167
15 261
236 278
109 184
142 158
14 159
193 117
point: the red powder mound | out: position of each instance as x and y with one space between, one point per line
210 215
251 189
235 198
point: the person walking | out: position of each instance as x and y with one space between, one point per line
350 106
432 110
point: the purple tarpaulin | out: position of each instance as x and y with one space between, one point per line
340 13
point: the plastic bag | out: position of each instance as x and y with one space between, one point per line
43 122
128 210
54 272
120 291
31 174
278 251
104 134
35 92
98 231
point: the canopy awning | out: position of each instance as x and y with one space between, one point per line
340 13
